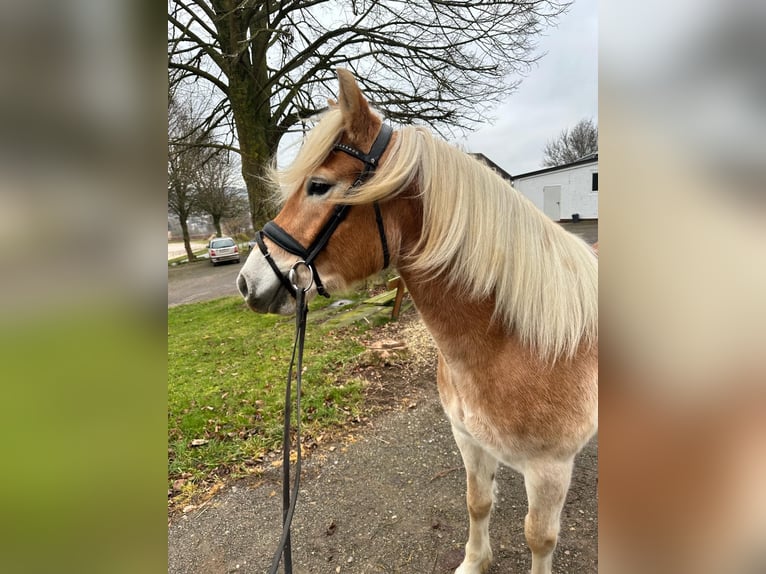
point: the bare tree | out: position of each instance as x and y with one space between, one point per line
239 225
269 64
216 194
571 145
182 165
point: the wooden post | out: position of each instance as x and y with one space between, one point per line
400 287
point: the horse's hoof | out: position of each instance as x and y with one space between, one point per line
474 567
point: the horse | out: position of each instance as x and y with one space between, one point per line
509 297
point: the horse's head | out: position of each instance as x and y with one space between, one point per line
343 244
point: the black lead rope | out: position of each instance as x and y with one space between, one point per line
291 283
289 500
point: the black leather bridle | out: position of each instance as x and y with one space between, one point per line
309 254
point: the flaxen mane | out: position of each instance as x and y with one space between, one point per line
490 239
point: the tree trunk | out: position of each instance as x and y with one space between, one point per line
217 225
258 190
187 240
252 128
250 97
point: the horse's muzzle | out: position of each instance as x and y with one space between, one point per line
272 301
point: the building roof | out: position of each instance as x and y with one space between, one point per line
493 165
590 158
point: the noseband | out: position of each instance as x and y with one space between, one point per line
309 254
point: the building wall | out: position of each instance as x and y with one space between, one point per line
576 193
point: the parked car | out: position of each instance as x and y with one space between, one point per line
222 249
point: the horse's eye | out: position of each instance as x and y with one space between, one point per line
318 187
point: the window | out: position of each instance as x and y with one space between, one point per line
594 182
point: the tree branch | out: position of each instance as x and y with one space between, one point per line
201 74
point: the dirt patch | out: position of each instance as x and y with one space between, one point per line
387 497
396 375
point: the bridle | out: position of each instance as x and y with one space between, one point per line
309 254
292 282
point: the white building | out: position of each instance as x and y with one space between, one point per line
565 192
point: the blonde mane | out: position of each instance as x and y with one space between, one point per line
489 239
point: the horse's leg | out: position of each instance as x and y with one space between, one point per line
547 483
480 467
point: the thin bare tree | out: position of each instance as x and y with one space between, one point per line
184 157
571 145
267 64
216 194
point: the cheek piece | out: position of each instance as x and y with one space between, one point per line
308 255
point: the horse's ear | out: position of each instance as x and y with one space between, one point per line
358 119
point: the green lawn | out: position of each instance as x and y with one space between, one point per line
226 377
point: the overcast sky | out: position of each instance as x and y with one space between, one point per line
558 92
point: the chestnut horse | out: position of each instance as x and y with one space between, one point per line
510 298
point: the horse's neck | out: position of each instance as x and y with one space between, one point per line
462 329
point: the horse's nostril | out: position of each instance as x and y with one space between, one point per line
242 285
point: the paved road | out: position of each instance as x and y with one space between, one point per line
177 249
200 281
586 230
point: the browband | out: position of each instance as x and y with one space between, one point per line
378 147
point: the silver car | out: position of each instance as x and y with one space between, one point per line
222 249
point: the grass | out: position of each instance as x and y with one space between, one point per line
185 258
226 377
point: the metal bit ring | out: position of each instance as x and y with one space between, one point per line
293 276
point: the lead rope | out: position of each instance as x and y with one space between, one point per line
289 500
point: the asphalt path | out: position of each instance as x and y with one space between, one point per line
201 281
